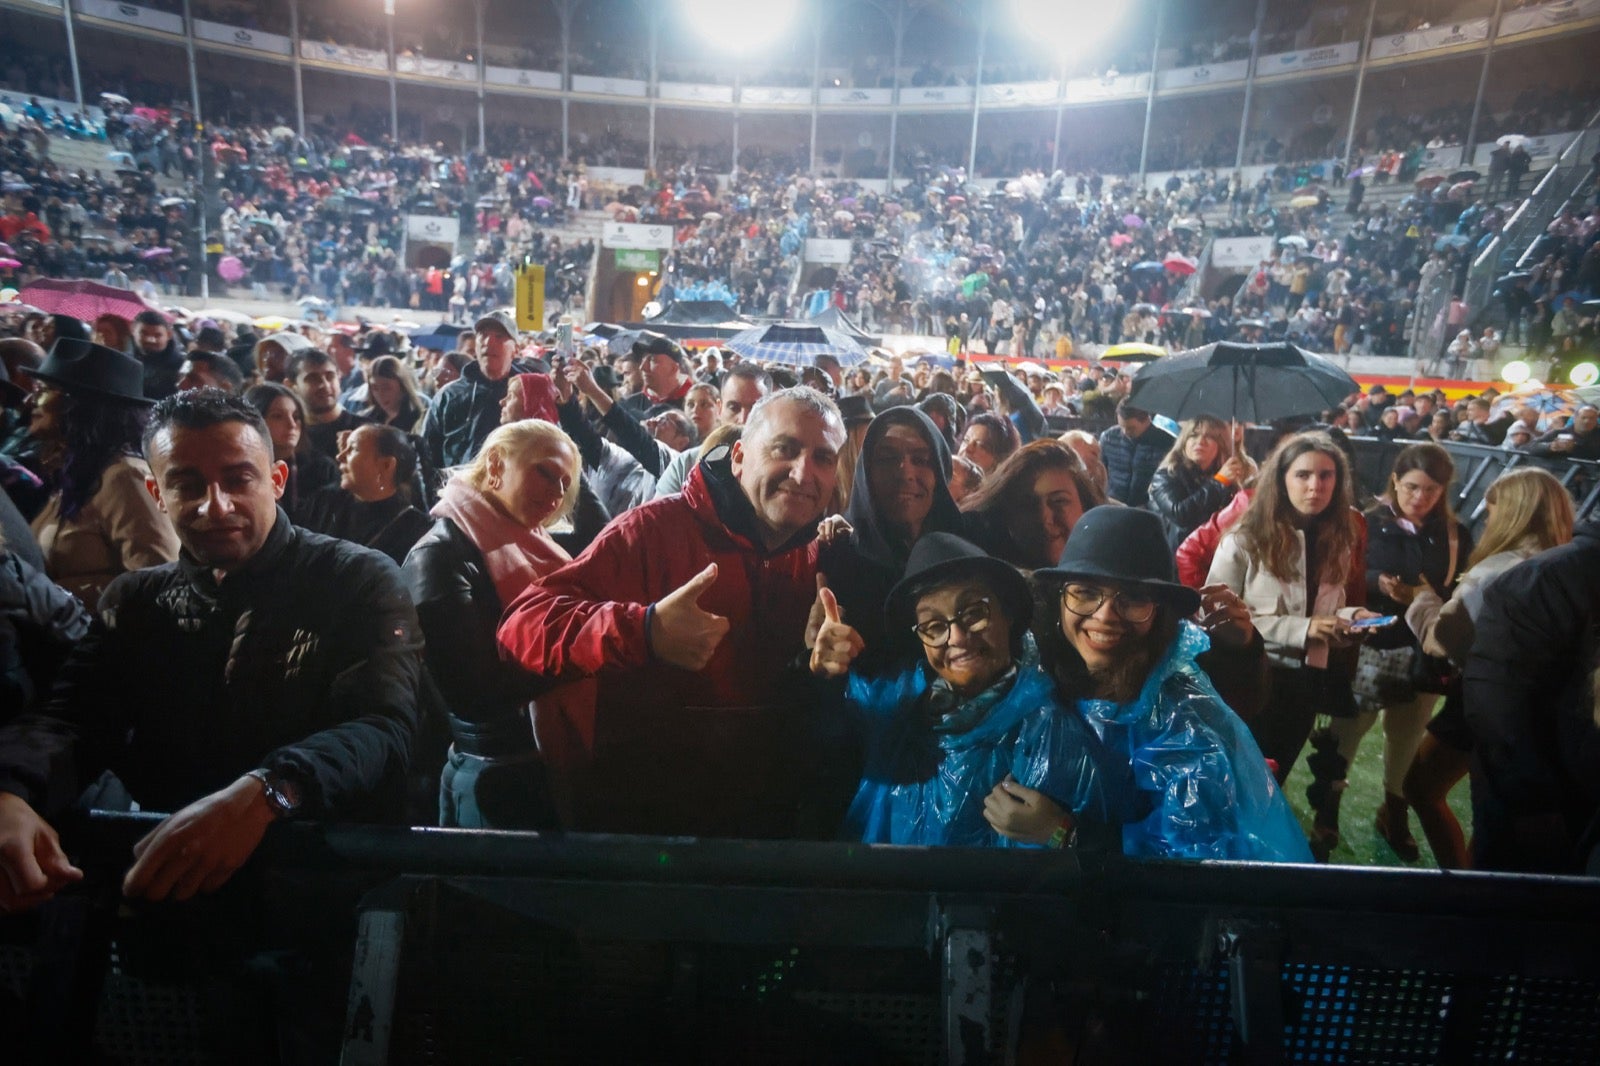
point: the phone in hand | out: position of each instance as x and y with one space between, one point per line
1375 623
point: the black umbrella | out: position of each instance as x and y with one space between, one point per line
1241 382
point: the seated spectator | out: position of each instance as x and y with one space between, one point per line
99 521
372 504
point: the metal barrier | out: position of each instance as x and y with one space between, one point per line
510 947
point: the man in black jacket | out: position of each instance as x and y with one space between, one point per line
155 347
268 673
467 410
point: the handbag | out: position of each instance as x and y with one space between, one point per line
1432 673
1383 677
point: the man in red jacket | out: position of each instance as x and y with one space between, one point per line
690 613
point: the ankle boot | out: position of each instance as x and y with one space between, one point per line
1325 826
1393 825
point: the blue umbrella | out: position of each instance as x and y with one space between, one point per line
440 337
796 344
1148 267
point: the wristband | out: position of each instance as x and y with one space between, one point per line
1065 834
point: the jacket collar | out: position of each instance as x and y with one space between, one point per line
204 580
716 498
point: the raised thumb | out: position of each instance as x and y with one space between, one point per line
830 605
692 589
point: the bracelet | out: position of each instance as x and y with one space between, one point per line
1065 834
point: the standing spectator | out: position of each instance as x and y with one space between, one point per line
467 410
157 349
316 379
1197 478
1132 451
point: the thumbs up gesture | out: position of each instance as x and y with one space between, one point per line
837 644
681 632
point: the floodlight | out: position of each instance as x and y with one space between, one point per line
1516 372
1068 28
1584 374
740 25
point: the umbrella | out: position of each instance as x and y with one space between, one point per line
542 201
1364 171
937 359
1149 266
1430 179
229 268
1197 312
6 249
1144 309
7 263
116 98
174 201
316 302
154 253
87 300
1241 383
955 199
843 216
1451 240
1591 306
1305 201
1295 240
1132 221
714 216
222 314
1187 223
15 186
1132 353
1541 398
1180 264
1465 175
278 323
1120 240
621 342
1513 140
120 159
603 330
796 344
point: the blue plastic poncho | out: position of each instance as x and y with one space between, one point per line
923 786
1196 762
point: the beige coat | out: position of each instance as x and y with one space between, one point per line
1278 608
118 530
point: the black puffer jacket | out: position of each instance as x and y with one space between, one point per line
1414 556
39 623
305 661
1183 496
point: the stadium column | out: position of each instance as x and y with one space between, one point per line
738 88
188 47
816 90
72 51
479 5
564 13
1483 85
977 94
1361 78
294 61
899 22
394 92
1150 97
1249 82
653 90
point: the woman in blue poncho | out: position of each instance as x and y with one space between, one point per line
975 710
1122 652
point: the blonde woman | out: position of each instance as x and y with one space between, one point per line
491 540
1529 512
1197 479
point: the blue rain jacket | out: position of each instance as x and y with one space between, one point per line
1203 780
928 788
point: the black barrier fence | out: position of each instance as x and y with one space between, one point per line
488 947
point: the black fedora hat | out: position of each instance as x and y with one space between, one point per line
855 410
376 343
941 558
83 366
1124 545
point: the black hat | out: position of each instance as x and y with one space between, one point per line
10 390
652 343
938 558
606 377
74 328
376 344
855 410
83 366
1125 545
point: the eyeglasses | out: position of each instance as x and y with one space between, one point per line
1085 600
935 632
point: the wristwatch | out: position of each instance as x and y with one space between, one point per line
282 795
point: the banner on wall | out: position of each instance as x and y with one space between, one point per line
826 252
1402 44
634 236
936 94
434 229
1240 253
584 83
1121 87
637 259
132 15
436 68
773 94
693 92
344 55
1544 150
1021 93
1209 74
858 97
1546 15
526 79
1333 55
240 37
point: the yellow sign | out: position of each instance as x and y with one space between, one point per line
530 298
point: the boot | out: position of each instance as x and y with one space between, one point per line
1393 825
1325 825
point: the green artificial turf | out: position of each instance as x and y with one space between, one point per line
1359 843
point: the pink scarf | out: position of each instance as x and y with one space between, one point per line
516 556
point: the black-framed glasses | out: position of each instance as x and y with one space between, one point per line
973 618
1085 600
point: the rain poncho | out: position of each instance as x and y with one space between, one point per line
1210 793
926 785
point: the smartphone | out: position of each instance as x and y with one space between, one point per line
1376 623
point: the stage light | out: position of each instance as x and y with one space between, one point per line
1515 372
1068 28
1584 374
740 25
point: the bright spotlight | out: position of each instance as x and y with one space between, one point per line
740 25
1068 28
1584 374
1515 372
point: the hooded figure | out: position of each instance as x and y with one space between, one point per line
892 505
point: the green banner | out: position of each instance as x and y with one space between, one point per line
637 259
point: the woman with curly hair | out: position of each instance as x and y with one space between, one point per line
1024 511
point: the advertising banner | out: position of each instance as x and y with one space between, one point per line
1546 15
773 94
583 83
936 94
1121 87
635 236
344 55
1333 55
1402 44
1021 93
827 252
436 68
1544 150
132 15
858 97
1210 74
1240 253
637 260
240 37
435 229
692 92
526 79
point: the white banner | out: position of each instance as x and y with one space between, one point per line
1402 44
936 94
55 4
773 94
1123 86
434 228
344 55
436 68
583 83
1212 74
527 79
1547 15
1544 150
132 14
1333 55
827 252
858 97
1022 93
240 37
696 93
634 236
1240 253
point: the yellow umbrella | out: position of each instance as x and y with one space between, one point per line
1305 201
1132 353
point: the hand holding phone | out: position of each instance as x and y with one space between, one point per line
1375 623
